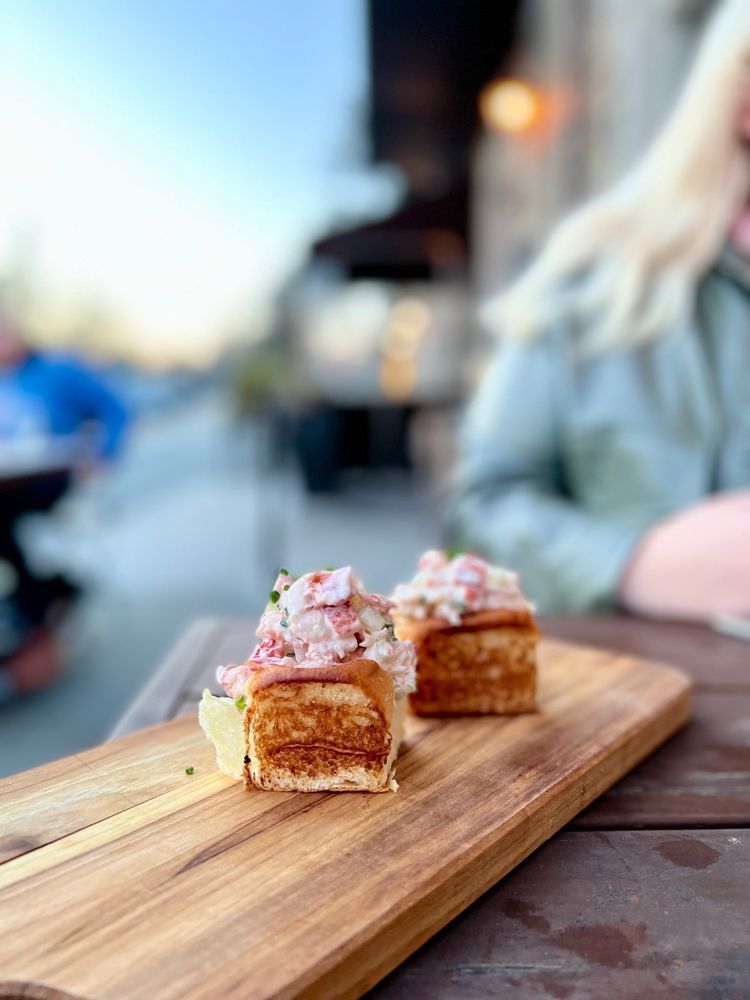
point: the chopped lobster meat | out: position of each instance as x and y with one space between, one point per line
324 617
449 587
344 620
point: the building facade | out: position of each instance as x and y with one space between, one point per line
610 71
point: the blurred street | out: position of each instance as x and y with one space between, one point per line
191 523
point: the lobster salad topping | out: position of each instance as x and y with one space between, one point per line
449 586
321 618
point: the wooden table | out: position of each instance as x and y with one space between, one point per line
646 894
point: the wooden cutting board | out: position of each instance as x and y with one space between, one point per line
124 877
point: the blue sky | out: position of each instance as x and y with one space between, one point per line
224 126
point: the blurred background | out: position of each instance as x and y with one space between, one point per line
252 239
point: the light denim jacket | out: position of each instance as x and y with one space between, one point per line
565 463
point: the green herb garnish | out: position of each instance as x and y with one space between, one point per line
274 596
452 553
286 586
283 571
189 770
240 703
330 569
284 623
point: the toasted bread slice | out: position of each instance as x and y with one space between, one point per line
485 665
329 728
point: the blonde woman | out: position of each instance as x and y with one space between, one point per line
607 453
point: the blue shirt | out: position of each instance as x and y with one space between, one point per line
58 396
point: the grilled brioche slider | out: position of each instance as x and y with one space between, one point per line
319 704
474 634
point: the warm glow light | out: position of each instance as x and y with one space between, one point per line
397 379
407 325
411 311
510 106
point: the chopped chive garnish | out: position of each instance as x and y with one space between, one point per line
330 569
240 703
274 596
452 553
284 623
189 770
283 571
286 586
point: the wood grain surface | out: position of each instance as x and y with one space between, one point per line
172 885
622 915
716 663
701 779
67 795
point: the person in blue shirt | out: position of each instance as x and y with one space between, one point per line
56 417
55 397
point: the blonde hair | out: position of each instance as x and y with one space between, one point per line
625 265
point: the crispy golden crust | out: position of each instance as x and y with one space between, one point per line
320 728
416 629
486 665
375 682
